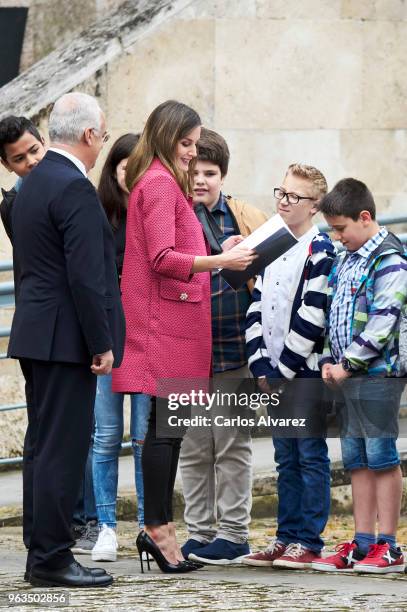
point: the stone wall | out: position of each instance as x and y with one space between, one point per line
52 23
319 81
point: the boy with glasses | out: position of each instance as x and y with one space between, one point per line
284 336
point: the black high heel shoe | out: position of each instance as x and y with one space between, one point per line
147 544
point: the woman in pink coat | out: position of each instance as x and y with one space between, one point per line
166 297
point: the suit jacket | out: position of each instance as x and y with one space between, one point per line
69 305
6 208
167 307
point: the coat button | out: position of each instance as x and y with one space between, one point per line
183 296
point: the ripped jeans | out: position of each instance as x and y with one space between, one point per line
106 448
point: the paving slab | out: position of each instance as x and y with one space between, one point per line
209 589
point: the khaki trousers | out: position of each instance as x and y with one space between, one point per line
216 472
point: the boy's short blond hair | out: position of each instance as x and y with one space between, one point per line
310 173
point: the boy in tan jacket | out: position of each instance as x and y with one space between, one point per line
215 460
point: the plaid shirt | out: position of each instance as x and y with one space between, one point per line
229 307
341 313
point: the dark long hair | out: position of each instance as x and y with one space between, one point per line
109 191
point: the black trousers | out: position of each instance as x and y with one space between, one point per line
159 461
60 406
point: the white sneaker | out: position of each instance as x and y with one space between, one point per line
105 548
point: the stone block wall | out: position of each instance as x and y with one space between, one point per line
322 81
319 81
52 23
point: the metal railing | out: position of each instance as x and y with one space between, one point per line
7 300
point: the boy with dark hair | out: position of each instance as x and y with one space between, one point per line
285 338
367 296
212 457
21 148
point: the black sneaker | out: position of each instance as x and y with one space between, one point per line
85 543
77 531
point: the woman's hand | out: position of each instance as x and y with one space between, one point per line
238 258
231 242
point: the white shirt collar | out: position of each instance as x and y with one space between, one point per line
80 165
309 234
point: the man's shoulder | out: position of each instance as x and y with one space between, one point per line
55 176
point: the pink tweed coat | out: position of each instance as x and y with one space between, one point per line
167 308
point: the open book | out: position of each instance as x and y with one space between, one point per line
270 240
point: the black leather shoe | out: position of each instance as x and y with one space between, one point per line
96 571
75 575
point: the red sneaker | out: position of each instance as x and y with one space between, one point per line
342 561
266 558
381 559
296 556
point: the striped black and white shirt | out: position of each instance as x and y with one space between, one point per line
302 315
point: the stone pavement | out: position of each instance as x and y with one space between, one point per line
213 588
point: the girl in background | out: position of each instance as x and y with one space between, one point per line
114 195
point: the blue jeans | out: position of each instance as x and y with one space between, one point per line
303 487
85 509
107 444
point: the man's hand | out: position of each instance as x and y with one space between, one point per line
102 364
337 374
231 242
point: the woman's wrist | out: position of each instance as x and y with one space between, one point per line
216 261
205 263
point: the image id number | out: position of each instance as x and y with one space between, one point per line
14 598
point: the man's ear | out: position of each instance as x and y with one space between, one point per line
87 136
5 164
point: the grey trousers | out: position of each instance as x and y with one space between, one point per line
216 472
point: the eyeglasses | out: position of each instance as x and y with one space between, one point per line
105 137
292 198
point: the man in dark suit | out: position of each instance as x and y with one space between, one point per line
67 327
